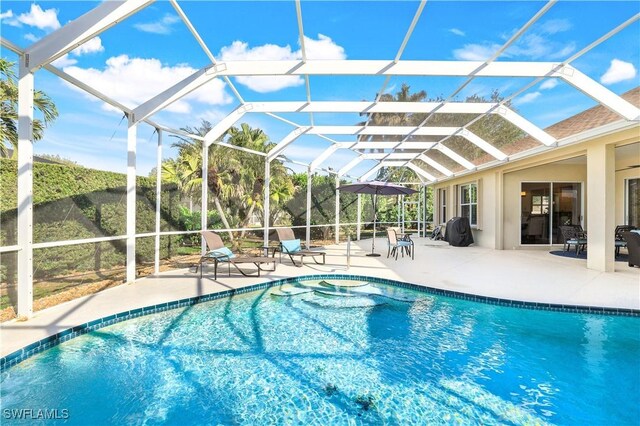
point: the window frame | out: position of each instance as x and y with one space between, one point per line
442 208
461 204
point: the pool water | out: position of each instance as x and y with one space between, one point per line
342 352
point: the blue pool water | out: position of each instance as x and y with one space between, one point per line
313 353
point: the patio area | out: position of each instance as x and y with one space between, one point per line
524 275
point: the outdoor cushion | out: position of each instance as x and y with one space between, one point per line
223 252
578 241
403 243
291 246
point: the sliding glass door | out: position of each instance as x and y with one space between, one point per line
545 206
633 202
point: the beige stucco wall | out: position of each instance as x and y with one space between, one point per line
499 196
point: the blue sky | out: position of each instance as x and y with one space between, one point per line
152 50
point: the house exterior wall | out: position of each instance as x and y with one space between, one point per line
499 187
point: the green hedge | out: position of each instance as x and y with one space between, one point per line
75 203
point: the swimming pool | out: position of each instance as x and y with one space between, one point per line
338 352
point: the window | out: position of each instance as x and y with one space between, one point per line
469 202
442 196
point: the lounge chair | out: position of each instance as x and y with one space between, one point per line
218 253
402 244
633 247
291 246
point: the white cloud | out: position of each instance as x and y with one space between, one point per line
64 61
475 52
549 84
31 37
618 71
6 15
92 46
457 32
535 44
163 26
133 81
36 17
554 26
317 49
322 48
529 97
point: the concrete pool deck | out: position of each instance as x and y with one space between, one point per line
525 275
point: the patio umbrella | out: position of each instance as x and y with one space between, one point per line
376 188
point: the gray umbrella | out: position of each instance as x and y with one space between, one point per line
376 188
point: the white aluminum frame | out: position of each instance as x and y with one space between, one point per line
107 14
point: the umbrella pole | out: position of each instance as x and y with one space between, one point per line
375 215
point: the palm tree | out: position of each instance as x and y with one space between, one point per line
9 111
236 178
186 170
394 119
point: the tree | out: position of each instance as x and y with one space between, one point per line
236 178
9 111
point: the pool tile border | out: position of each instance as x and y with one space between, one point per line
70 333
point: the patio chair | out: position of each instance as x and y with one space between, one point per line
218 253
291 246
395 245
633 247
573 235
619 241
401 236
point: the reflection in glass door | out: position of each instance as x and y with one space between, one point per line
535 217
545 206
566 207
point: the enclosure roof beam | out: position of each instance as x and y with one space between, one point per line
421 172
303 52
370 172
455 157
392 145
410 107
80 30
391 156
405 41
600 94
323 156
11 46
223 125
204 46
482 144
439 167
286 141
562 70
525 125
89 89
382 130
350 165
176 92
363 107
385 67
406 130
